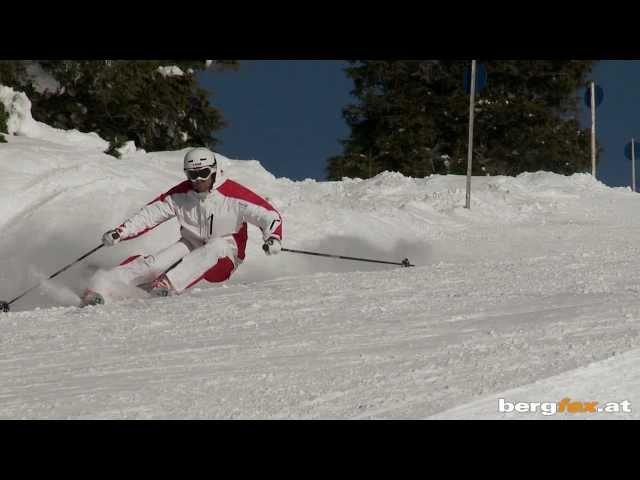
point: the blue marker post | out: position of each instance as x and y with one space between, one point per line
593 98
632 149
474 79
633 165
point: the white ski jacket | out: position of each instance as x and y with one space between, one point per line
224 212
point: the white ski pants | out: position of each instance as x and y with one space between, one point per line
213 261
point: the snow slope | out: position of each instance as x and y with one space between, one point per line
530 295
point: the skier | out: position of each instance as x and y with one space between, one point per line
213 212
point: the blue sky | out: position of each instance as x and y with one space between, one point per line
617 119
287 114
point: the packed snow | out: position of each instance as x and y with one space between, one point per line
532 295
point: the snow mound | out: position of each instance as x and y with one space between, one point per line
21 123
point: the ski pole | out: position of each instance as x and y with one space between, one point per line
4 306
404 263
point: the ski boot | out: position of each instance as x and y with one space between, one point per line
161 287
91 298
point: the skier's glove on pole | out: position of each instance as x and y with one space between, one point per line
111 237
272 246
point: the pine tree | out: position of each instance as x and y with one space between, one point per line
126 100
412 117
12 73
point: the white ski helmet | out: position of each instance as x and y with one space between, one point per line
198 158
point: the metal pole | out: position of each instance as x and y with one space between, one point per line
470 150
593 129
404 263
633 165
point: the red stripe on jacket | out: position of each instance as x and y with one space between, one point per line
183 187
235 190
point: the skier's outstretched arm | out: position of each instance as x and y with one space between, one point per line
149 217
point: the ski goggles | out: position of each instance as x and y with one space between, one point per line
200 174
